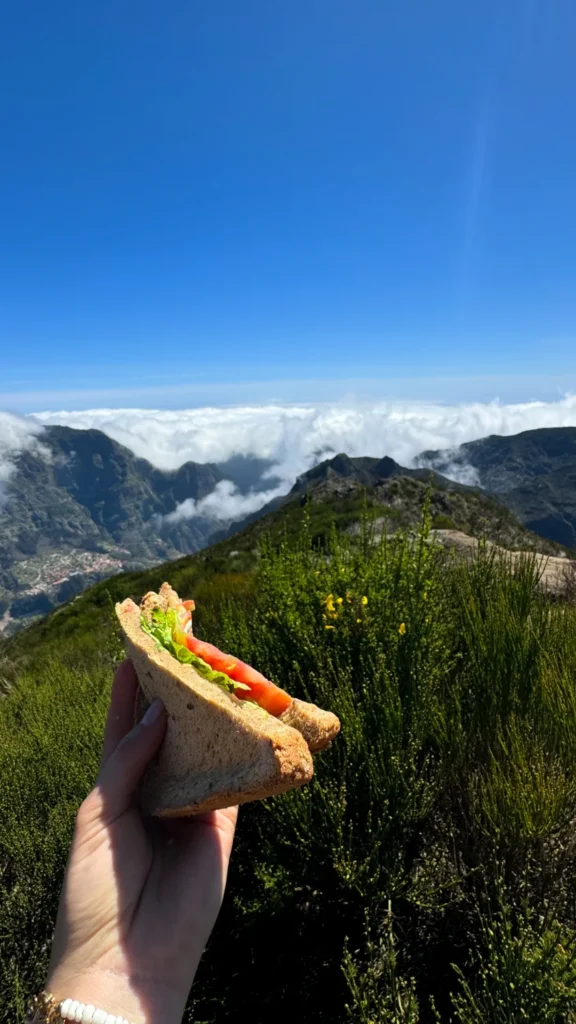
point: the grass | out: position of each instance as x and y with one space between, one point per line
428 872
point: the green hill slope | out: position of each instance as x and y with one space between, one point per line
435 830
326 498
448 800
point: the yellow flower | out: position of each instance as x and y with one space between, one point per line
358 620
364 601
402 629
328 627
329 602
339 600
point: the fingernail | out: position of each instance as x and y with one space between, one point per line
153 713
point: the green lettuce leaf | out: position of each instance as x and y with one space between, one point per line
161 629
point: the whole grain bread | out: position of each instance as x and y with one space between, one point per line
218 750
319 728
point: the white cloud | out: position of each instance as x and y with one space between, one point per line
452 465
293 436
17 434
224 503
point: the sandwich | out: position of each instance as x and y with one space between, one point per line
232 735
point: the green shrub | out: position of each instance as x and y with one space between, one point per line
525 970
447 802
50 729
443 522
379 994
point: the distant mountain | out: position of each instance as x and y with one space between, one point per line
368 471
533 473
338 488
82 506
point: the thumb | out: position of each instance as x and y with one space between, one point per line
123 770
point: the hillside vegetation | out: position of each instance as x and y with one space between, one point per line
428 872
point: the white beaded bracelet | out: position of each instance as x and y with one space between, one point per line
71 1009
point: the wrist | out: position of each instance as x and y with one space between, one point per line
138 1000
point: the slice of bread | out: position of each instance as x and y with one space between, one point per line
318 727
218 750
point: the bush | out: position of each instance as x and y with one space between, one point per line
50 729
524 970
444 812
443 522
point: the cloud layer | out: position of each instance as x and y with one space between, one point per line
224 503
17 434
292 437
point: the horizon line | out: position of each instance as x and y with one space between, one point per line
304 391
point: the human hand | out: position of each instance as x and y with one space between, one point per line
140 895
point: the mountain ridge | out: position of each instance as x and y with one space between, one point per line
534 472
81 505
341 490
85 507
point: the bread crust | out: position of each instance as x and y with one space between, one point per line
218 750
319 728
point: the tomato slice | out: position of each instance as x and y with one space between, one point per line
272 698
269 696
189 605
217 660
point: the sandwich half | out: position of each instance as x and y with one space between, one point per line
232 735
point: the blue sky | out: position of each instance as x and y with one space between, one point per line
254 200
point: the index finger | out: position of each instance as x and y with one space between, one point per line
121 711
